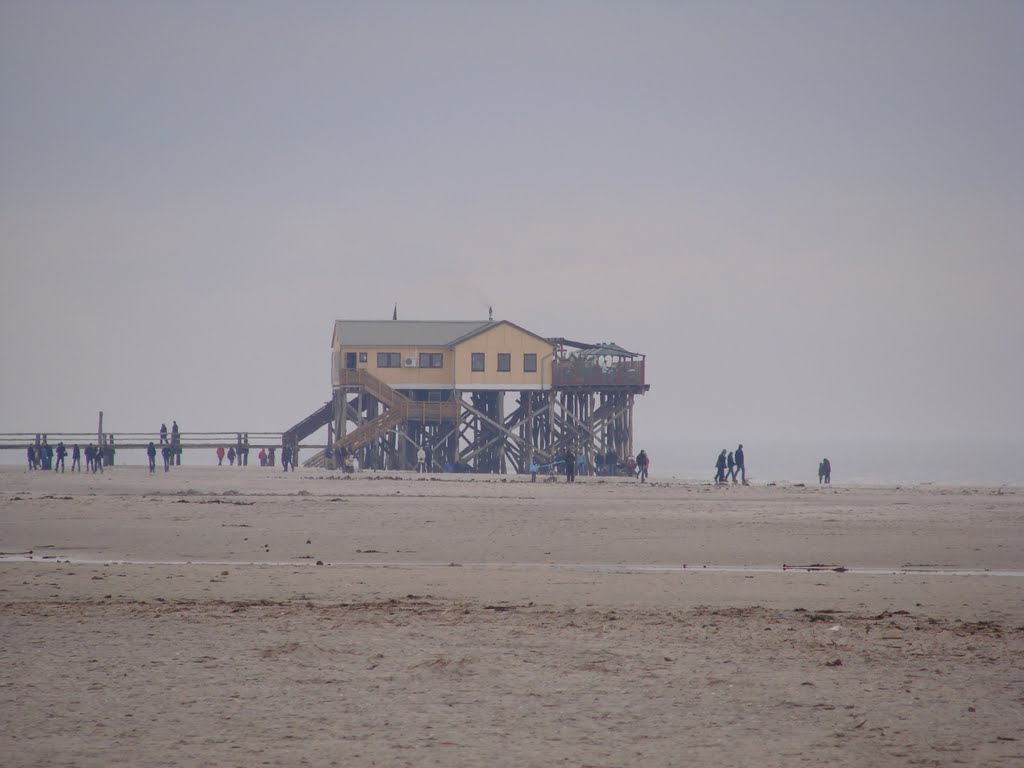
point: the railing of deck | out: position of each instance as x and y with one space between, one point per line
589 371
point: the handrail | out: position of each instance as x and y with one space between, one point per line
400 408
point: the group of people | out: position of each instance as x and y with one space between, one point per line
43 456
731 465
825 472
40 456
166 451
170 446
574 464
240 451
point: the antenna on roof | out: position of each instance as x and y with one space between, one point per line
394 315
490 314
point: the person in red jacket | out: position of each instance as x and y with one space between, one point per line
220 455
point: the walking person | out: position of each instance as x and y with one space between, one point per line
827 466
151 455
31 456
642 462
76 458
570 466
741 467
231 455
730 467
61 453
220 455
165 452
720 465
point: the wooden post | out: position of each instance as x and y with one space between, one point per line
99 432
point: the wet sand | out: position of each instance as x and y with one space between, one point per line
182 619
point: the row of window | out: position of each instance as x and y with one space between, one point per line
394 360
478 361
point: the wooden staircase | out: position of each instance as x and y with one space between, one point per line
400 409
319 418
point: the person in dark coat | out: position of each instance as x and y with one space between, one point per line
231 455
31 457
741 467
163 434
570 465
76 458
827 466
165 452
151 455
720 465
730 467
176 443
61 453
642 462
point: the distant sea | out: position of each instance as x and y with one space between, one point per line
990 464
963 463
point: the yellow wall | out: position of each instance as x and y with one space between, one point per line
457 371
440 378
502 338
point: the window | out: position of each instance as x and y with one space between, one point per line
362 357
431 360
389 360
504 362
530 362
477 361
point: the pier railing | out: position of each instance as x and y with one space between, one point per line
140 440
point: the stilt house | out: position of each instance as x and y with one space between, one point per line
476 396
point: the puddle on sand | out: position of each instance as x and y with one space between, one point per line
593 567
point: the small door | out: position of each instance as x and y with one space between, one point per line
350 360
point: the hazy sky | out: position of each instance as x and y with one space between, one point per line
809 216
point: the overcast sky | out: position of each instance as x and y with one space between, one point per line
809 216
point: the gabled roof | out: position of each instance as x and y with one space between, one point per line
488 326
405 333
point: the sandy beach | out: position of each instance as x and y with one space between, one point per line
239 617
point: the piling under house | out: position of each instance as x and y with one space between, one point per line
475 396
